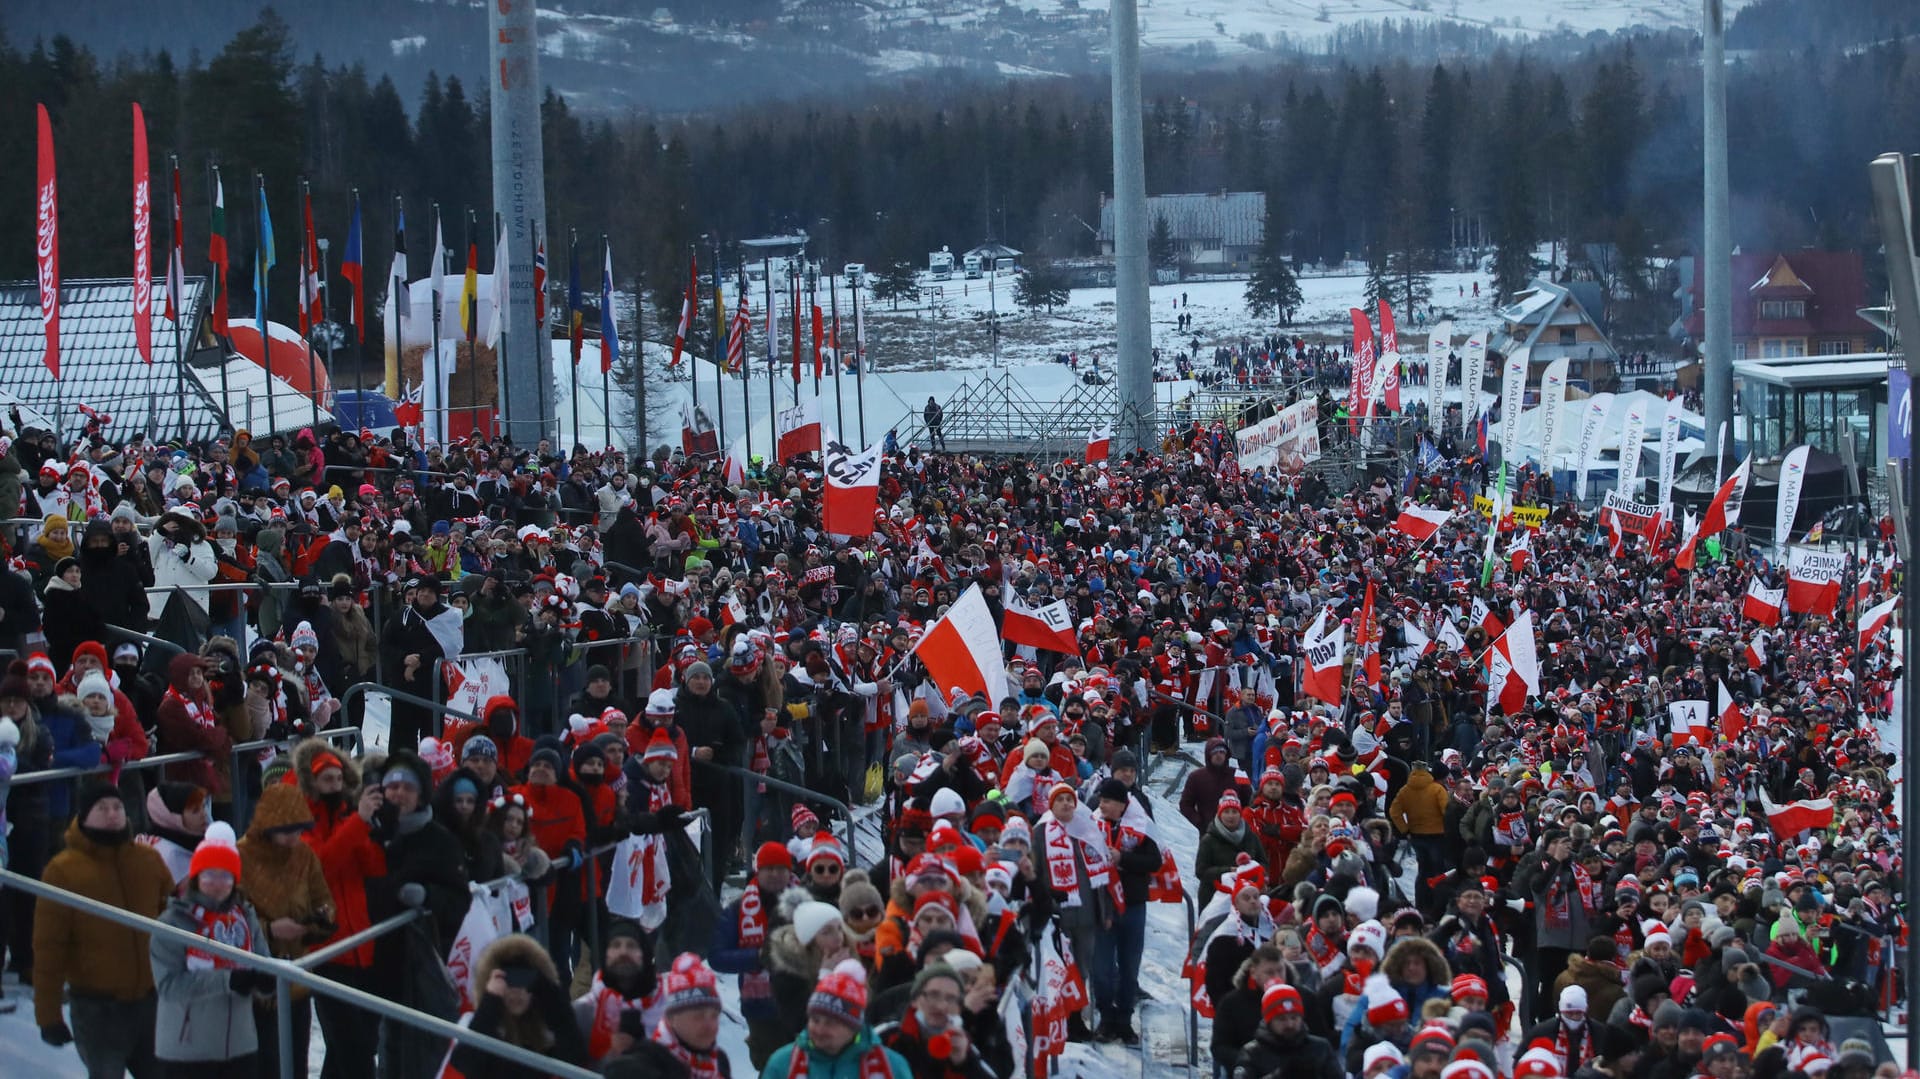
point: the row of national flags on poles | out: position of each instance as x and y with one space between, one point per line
311 308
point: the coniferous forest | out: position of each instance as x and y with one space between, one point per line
1496 152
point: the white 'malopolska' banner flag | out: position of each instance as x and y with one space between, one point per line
1553 397
1669 451
1599 406
1513 390
1793 476
1472 372
1439 352
1631 436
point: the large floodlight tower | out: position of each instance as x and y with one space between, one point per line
1134 426
520 198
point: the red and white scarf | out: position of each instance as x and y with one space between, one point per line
755 984
201 715
873 1064
1060 842
1556 909
231 927
702 1065
608 1007
1564 1047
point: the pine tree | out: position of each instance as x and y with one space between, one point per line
1042 285
896 281
1273 289
1379 276
1161 253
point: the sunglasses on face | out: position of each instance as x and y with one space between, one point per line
866 912
826 869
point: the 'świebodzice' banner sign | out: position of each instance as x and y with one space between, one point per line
1286 441
1635 518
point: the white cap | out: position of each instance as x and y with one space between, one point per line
948 803
1573 999
1370 935
811 917
660 702
1363 903
1378 1052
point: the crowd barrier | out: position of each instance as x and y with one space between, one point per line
287 974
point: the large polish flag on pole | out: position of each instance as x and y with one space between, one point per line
1325 653
1049 627
962 649
853 490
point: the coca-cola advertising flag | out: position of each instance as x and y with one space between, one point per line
47 245
142 240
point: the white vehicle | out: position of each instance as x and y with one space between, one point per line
1003 264
972 268
940 265
856 274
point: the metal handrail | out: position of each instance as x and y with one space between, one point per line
361 689
227 586
286 972
805 793
163 760
353 940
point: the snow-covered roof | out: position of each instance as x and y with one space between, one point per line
1231 218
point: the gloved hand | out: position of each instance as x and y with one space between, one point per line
243 981
671 817
571 857
413 894
56 1034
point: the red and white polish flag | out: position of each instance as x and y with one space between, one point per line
1762 604
1688 723
1049 627
1420 522
853 490
1788 821
1813 580
1099 443
797 430
962 649
1326 651
1875 619
1513 666
1732 719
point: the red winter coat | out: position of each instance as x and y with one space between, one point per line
348 854
179 733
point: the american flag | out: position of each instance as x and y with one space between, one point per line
737 338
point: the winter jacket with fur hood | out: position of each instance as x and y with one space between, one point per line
548 1027
90 954
285 882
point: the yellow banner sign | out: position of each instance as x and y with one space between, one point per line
1530 516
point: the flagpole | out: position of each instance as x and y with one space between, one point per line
542 346
500 353
176 243
606 385
307 271
773 361
213 276
470 314
573 280
394 382
746 369
718 351
813 305
357 305
692 297
839 402
436 273
260 300
859 360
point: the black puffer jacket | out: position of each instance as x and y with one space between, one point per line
1304 1056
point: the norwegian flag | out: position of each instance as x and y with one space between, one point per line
1762 604
540 284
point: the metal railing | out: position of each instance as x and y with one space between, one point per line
287 973
363 689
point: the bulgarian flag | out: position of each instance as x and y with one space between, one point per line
1807 814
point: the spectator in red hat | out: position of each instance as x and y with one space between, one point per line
1283 1049
1224 842
740 937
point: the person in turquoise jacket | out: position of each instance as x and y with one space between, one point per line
838 1043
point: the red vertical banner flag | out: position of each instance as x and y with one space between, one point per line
687 304
312 310
176 259
217 255
1389 337
1390 355
142 241
818 340
1360 385
46 244
1368 641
